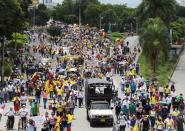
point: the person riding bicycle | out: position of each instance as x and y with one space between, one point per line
10 121
23 112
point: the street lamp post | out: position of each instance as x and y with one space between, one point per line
100 21
79 13
137 25
34 15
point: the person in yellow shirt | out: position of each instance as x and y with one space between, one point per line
169 122
17 91
70 118
166 91
175 113
51 89
16 102
59 108
100 75
153 100
58 123
59 93
160 126
127 89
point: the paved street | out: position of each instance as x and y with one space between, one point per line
80 114
179 75
58 57
80 123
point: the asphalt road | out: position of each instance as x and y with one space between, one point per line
179 75
80 123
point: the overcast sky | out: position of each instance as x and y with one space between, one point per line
130 3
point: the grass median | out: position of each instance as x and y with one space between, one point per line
163 72
117 35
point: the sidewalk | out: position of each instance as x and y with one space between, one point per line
179 75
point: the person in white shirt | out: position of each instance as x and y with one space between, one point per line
23 112
23 99
11 118
161 91
169 101
122 121
10 91
80 97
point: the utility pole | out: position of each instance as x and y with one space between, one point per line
137 27
34 15
171 36
79 13
100 21
2 61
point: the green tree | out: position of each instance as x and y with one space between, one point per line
178 27
68 6
11 20
24 5
82 4
165 9
109 16
180 11
42 15
12 17
17 41
54 30
92 14
58 12
71 18
154 41
126 19
65 12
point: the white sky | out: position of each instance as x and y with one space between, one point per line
130 3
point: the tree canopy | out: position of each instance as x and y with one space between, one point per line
91 10
11 17
164 9
42 15
154 39
54 30
178 28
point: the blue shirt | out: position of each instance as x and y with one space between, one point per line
133 86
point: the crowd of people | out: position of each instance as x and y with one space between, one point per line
53 76
145 104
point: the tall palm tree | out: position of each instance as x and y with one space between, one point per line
154 41
165 9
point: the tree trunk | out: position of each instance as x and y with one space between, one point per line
154 67
2 61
